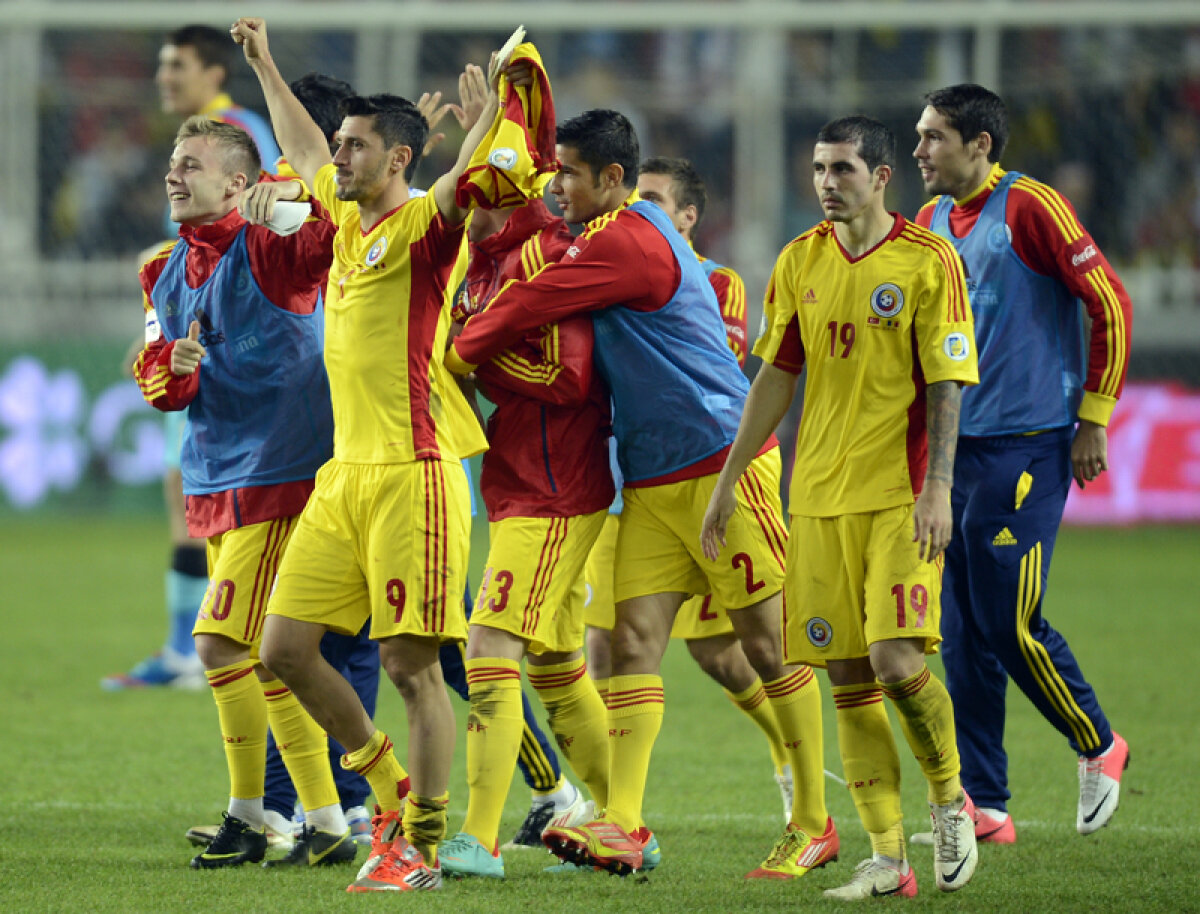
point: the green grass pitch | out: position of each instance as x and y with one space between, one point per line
97 789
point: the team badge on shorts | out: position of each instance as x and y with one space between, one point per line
503 158
819 631
887 300
378 249
956 346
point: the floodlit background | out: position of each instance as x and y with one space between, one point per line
1104 100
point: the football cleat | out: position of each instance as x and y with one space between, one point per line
954 851
579 812
318 848
651 858
402 869
1100 786
786 791
202 836
235 843
797 852
875 879
530 832
386 827
359 821
464 855
992 826
601 843
166 668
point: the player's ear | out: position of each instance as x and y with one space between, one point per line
689 216
401 156
883 175
612 175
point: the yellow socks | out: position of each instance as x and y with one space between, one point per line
578 719
242 712
376 762
753 703
425 824
927 719
871 764
635 713
795 701
303 745
495 724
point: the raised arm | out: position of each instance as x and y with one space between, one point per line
302 142
471 81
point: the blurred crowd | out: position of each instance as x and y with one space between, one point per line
1109 116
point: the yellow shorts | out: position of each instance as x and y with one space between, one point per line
854 580
387 542
241 570
658 548
697 618
533 583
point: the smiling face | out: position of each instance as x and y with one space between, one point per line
948 165
364 166
846 188
200 188
185 84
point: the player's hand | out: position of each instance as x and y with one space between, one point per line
472 95
187 352
257 204
1089 452
251 33
721 507
519 74
932 520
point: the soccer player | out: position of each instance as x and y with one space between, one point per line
547 489
677 392
1037 417
877 309
233 335
194 64
677 188
385 534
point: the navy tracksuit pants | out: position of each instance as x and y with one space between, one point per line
1008 499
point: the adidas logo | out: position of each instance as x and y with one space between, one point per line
1004 538
810 297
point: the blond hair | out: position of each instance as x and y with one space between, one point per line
238 152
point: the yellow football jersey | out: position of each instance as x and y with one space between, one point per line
873 331
386 323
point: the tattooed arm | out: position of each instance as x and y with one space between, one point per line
932 519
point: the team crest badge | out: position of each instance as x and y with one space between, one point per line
887 300
378 249
999 237
819 631
956 346
503 158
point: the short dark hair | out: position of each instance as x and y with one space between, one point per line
874 142
397 121
603 137
972 110
322 97
213 47
686 182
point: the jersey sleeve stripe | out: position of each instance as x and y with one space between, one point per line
1054 204
1114 371
956 311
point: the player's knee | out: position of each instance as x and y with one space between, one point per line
765 655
